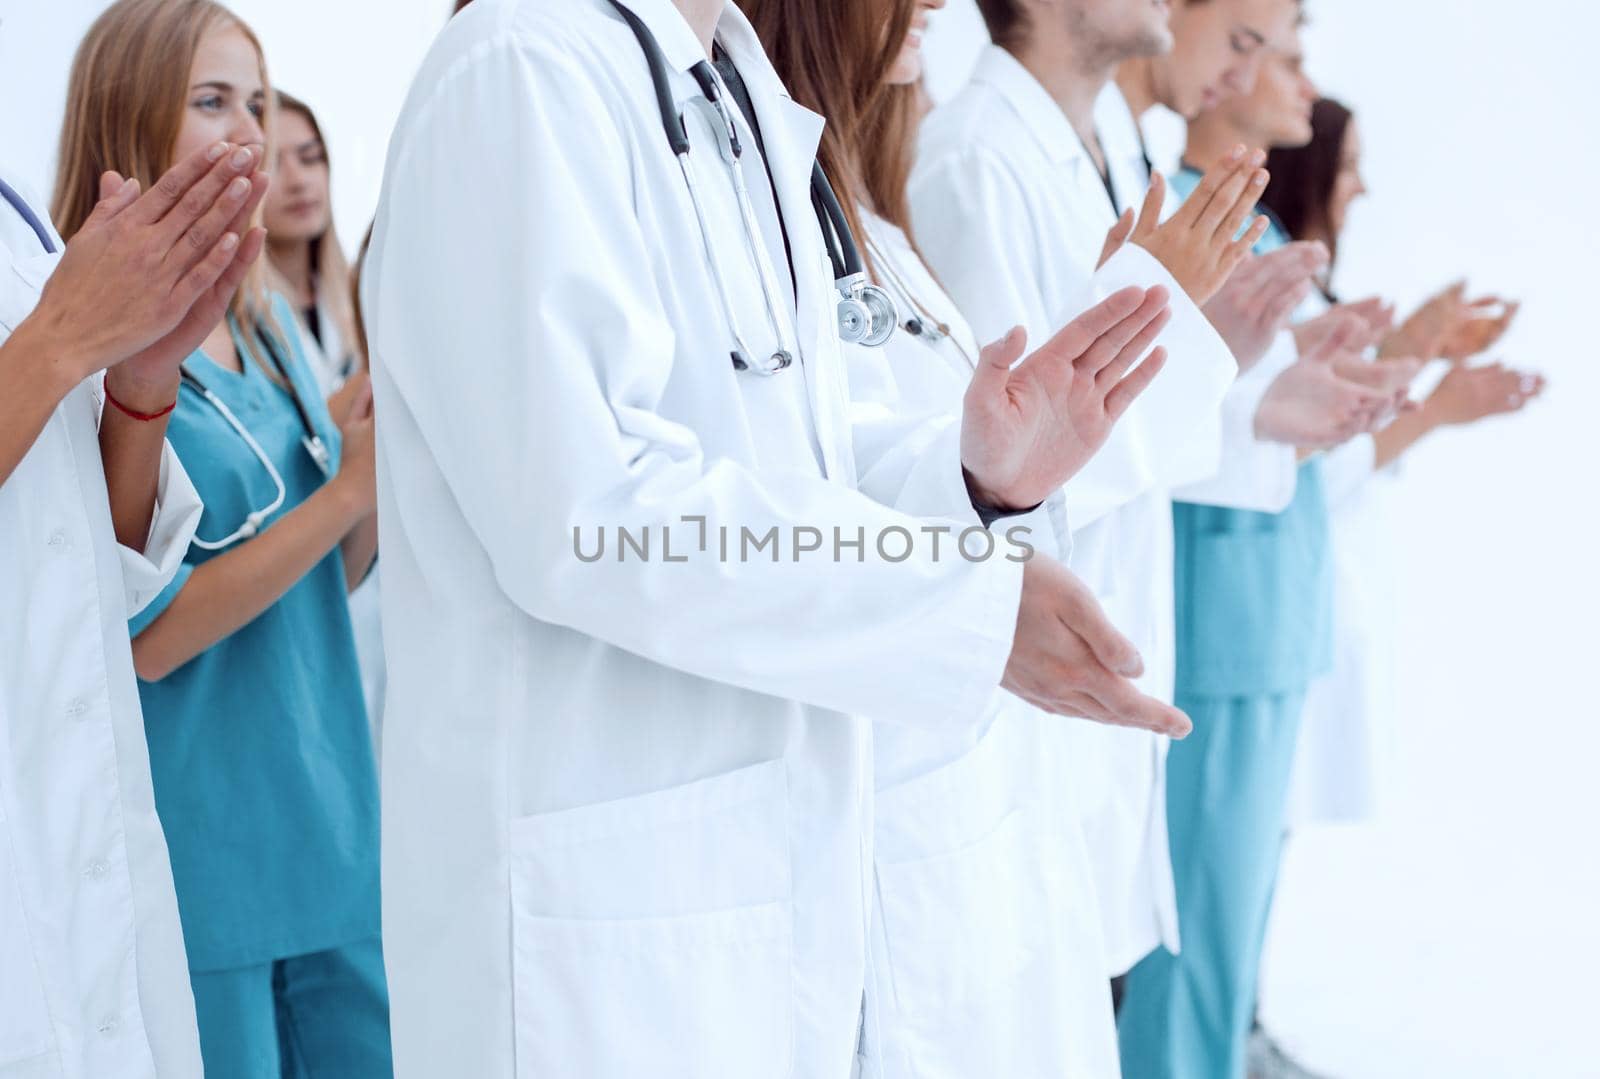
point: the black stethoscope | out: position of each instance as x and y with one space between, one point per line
313 443
866 313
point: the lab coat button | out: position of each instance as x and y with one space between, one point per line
77 708
96 870
108 1025
57 540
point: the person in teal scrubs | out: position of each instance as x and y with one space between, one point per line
262 760
260 751
1254 627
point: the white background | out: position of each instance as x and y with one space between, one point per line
1457 935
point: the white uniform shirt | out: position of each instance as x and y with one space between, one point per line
1013 214
93 979
627 803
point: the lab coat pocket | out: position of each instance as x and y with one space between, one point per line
982 974
652 934
24 1018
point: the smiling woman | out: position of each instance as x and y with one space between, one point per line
128 74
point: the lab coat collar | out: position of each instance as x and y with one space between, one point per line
1038 111
1116 125
677 40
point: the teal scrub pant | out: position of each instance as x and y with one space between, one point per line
1187 1016
318 1016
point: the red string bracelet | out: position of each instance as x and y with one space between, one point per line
143 417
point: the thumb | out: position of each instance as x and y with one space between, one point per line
361 400
1150 211
1117 236
116 195
997 359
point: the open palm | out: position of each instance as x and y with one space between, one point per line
1027 429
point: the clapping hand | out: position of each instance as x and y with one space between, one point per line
1201 244
1028 428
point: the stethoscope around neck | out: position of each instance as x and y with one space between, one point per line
313 443
866 314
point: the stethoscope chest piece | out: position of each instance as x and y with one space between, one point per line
867 313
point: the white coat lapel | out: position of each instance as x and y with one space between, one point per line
791 134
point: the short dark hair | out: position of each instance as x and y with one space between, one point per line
1005 20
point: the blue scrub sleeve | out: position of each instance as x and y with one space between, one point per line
141 621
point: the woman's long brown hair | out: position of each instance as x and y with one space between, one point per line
834 57
1301 189
125 106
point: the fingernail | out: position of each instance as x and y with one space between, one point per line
130 184
1259 179
230 241
216 152
1237 153
238 188
242 157
1259 156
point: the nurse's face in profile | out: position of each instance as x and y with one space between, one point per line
1347 184
227 101
907 66
1218 48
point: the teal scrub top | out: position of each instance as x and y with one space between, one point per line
260 748
1254 591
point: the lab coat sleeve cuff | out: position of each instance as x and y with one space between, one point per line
158 604
1252 474
991 637
177 511
1045 528
936 486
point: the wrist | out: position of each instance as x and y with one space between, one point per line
981 496
142 392
346 495
53 358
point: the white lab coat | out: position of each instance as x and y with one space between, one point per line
1349 710
1012 214
627 804
94 983
987 955
1251 474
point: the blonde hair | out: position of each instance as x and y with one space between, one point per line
125 106
331 276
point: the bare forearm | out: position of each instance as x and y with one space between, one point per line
131 450
231 590
1406 431
360 549
35 375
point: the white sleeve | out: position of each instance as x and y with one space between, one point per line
972 221
523 330
1347 468
177 512
1252 474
